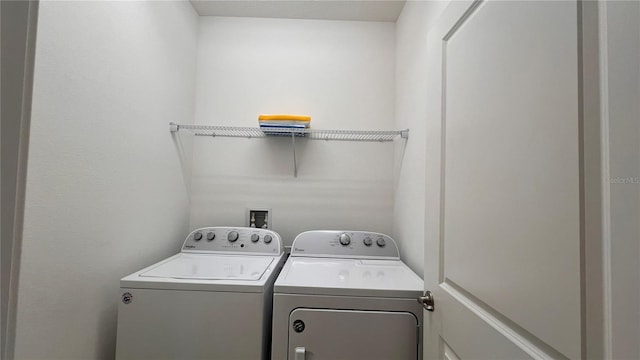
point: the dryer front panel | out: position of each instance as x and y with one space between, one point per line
327 334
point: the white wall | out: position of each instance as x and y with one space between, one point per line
620 23
411 112
339 72
106 193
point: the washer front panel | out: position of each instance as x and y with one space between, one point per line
233 240
174 324
212 267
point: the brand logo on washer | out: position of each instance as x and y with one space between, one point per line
127 297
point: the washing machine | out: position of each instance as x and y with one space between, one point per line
346 295
210 301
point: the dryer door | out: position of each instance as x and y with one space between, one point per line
325 334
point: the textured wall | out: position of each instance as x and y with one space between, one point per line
411 112
106 193
339 72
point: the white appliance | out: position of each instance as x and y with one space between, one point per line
210 301
346 295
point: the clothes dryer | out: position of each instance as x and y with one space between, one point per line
346 295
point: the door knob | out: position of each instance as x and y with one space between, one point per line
427 301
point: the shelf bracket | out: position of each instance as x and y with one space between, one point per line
173 127
404 134
293 146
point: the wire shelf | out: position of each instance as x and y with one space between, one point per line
313 134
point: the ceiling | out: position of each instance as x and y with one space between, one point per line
356 10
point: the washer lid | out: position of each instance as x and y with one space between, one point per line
348 277
211 267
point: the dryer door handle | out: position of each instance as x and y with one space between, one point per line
300 353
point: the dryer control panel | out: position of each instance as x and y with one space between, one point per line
235 240
345 244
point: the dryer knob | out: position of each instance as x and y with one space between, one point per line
197 236
345 239
211 236
255 237
367 241
381 242
267 239
233 236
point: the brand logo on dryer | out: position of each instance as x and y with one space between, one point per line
298 326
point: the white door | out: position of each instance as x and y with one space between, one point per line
503 227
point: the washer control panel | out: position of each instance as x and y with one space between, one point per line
234 240
345 244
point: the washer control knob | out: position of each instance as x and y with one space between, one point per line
255 237
233 236
367 241
211 235
267 239
381 242
344 239
197 236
